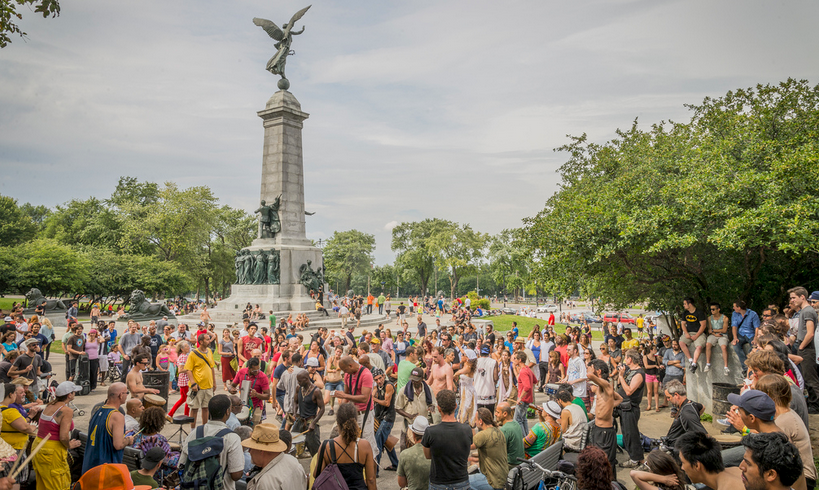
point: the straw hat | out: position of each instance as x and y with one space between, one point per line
265 437
21 380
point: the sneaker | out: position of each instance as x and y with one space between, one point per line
726 370
331 412
630 464
706 368
723 422
693 368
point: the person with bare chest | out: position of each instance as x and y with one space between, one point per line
603 434
440 376
134 378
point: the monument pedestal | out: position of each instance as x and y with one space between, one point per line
279 288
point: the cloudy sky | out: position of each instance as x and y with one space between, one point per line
447 109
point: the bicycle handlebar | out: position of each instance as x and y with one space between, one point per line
546 473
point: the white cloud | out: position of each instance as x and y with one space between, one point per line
417 109
389 226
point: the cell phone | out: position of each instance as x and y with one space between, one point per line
333 393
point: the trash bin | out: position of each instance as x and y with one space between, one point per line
159 380
719 398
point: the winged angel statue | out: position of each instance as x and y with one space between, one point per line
284 36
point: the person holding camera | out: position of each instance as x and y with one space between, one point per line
631 379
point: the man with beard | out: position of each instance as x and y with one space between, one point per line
770 462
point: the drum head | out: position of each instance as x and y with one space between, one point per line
244 414
298 439
153 400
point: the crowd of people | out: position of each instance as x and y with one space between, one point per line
465 397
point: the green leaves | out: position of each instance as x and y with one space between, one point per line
347 253
723 206
8 12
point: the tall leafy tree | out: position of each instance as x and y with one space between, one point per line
55 269
411 243
348 253
87 222
10 13
16 226
457 250
721 207
509 262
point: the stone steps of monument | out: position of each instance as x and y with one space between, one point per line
317 319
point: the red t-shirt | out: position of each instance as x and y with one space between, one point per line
356 387
248 344
526 381
260 383
198 333
564 356
552 319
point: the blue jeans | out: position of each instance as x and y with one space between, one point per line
280 401
520 417
739 348
334 386
464 485
380 438
478 482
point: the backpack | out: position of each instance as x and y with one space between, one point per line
330 477
203 469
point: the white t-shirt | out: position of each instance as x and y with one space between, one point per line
484 380
577 370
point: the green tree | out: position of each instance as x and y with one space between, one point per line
411 243
83 223
509 262
718 208
9 12
15 225
457 250
348 253
53 268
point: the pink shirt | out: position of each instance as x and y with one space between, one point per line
356 386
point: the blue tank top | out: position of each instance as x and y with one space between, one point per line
100 445
536 351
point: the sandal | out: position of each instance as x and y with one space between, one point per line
664 406
658 409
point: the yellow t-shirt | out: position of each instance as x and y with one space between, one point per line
202 371
639 322
630 344
15 438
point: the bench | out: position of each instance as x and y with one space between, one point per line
547 458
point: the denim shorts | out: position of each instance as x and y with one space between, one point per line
334 385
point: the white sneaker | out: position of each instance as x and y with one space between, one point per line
706 368
726 370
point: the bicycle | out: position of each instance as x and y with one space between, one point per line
550 480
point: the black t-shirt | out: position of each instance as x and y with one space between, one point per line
637 396
490 338
402 309
422 329
448 443
618 340
6 328
692 320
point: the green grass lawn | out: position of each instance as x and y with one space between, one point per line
5 303
525 325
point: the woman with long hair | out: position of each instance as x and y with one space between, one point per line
466 390
92 350
652 364
56 421
488 441
593 469
664 473
335 377
183 350
227 352
506 379
315 352
557 370
353 456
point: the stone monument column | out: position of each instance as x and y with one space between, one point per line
283 165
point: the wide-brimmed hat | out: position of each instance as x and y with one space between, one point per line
419 425
21 380
265 437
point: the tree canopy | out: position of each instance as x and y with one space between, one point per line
348 253
722 207
9 14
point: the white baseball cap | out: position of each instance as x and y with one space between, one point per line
312 362
470 354
67 387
